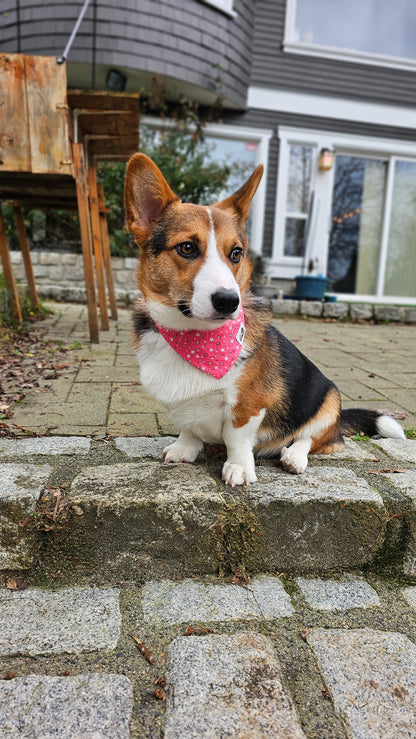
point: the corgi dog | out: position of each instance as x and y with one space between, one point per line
205 345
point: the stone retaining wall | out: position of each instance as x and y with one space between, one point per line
60 276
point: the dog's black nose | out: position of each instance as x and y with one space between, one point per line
225 301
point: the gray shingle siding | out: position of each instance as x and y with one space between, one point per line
183 42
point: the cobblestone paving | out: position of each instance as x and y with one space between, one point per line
372 365
111 627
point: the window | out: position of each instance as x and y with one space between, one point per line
298 197
354 223
225 5
375 31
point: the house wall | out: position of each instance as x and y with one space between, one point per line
183 41
272 120
272 67
275 69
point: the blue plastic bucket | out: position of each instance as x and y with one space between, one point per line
310 287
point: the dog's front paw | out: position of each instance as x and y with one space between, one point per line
179 452
235 474
293 460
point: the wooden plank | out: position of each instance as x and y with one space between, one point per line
116 147
38 188
24 246
84 221
98 251
8 272
99 100
106 251
48 111
121 123
14 125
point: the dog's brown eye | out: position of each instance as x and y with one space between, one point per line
187 249
236 254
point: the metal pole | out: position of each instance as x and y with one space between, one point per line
94 41
62 59
19 42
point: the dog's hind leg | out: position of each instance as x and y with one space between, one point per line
295 457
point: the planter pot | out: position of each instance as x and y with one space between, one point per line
310 287
264 291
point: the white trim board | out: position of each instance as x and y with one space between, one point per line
349 55
321 106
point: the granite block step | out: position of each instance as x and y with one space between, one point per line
125 512
164 518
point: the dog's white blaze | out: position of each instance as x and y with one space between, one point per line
213 275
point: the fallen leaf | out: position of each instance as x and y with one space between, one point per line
11 584
144 650
9 675
159 694
201 630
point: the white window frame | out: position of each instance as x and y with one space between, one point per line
226 6
262 137
279 266
332 52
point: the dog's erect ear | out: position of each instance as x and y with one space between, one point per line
146 195
239 203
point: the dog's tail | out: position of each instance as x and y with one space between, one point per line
370 423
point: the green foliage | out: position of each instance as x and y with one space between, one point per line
183 157
112 175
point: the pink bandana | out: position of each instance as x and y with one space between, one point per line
213 352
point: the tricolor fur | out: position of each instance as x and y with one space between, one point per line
194 273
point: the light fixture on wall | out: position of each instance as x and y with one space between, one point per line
326 159
116 81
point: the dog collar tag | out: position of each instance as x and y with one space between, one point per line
213 351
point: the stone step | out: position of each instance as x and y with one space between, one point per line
299 658
115 511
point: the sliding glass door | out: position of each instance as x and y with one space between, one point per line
355 222
358 197
372 242
400 267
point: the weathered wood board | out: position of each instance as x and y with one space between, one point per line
14 128
48 112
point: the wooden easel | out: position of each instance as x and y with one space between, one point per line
50 143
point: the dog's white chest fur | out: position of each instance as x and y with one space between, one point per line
195 400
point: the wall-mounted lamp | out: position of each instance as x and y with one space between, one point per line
326 159
116 81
